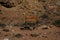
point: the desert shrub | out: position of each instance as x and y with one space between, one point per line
2 25
1 12
42 0
6 30
25 28
44 16
34 34
28 24
7 4
18 35
56 23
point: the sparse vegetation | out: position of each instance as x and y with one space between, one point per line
2 25
25 28
29 20
7 4
56 22
1 12
34 35
28 24
44 16
6 30
18 35
42 0
17 24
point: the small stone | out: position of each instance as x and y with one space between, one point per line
58 3
6 39
45 27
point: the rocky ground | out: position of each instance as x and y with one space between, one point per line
29 19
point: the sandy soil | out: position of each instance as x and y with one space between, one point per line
29 19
